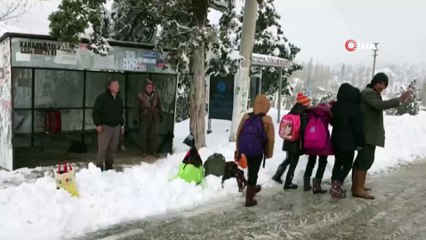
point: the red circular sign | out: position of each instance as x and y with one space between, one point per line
351 45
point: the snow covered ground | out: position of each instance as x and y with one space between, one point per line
34 209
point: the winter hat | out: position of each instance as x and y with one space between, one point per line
302 99
379 78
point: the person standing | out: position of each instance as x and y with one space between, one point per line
372 106
148 109
323 113
346 136
108 118
294 149
255 139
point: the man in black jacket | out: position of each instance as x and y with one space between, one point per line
108 118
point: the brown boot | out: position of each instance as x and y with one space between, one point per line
250 201
359 185
316 183
353 181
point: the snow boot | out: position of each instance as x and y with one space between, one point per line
317 186
250 201
288 183
353 180
278 174
257 189
359 190
307 184
336 190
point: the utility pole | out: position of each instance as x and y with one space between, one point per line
374 60
242 78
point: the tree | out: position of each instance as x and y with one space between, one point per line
180 24
11 9
412 107
270 40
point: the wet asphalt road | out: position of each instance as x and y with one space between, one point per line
399 212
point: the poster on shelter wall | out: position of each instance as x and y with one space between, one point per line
6 148
221 103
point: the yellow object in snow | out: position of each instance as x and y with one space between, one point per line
65 178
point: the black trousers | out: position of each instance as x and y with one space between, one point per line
311 164
253 164
342 165
292 160
365 158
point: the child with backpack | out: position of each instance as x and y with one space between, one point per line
292 129
255 139
317 144
346 136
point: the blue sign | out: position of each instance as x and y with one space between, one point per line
221 97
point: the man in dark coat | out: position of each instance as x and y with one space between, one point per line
148 108
108 118
372 107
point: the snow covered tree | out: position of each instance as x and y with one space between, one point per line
222 61
179 24
412 107
270 40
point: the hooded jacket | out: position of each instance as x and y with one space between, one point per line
262 105
347 132
148 107
323 112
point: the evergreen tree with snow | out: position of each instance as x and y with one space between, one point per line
412 107
270 40
179 24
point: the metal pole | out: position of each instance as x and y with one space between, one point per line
374 59
260 81
279 96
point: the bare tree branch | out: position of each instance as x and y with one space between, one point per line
10 9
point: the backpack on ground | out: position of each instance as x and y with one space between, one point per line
252 137
290 127
215 165
193 157
315 134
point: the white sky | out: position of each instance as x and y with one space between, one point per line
321 27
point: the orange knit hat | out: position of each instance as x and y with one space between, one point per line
302 99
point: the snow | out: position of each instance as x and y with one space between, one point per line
146 190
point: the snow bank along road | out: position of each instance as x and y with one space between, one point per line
399 212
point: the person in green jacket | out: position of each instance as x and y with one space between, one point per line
372 106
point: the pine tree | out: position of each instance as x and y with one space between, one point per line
412 107
270 40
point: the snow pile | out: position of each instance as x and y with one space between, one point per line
150 189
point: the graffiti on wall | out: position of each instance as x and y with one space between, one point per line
6 149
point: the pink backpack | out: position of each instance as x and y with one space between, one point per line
315 135
290 127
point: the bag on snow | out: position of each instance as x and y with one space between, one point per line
65 178
315 135
193 157
190 173
252 137
215 165
290 127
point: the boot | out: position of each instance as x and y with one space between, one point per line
257 189
317 186
288 183
359 190
278 174
353 180
306 184
336 190
250 201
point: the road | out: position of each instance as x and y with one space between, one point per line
399 212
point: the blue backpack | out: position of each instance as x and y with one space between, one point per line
252 138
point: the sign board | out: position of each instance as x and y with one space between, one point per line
269 61
221 97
